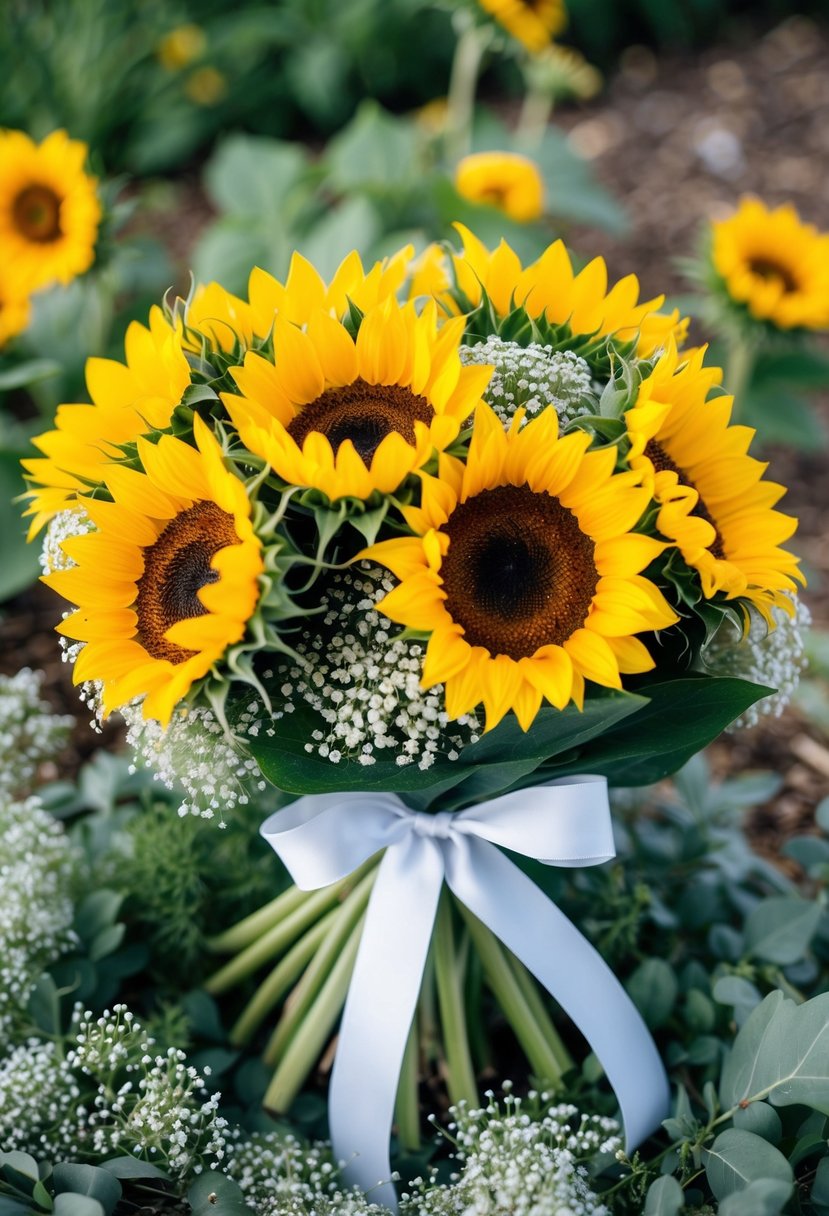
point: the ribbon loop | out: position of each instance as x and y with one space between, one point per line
322 838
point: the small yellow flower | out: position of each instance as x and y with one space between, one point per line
533 23
714 503
565 73
181 46
774 264
168 580
206 86
49 209
350 417
505 180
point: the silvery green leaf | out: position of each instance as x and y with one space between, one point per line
782 1052
762 1197
780 929
738 1158
664 1198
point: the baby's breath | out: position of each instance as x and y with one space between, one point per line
534 377
63 526
29 732
364 683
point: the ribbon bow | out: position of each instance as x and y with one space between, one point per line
322 838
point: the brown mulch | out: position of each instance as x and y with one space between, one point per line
678 139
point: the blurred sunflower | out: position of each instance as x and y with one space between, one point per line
715 505
169 579
181 46
129 399
505 180
550 288
525 571
49 209
533 23
774 265
14 307
348 417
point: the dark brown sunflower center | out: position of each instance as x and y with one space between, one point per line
767 269
519 572
176 567
364 413
661 461
36 212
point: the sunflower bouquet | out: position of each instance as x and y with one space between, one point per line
444 529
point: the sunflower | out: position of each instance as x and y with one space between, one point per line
49 210
129 399
533 23
550 288
218 315
14 307
714 504
525 572
348 417
168 581
504 180
774 265
305 291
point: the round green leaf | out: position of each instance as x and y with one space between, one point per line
780 929
738 1158
87 1180
664 1198
653 988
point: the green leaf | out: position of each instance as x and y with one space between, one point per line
664 1198
19 567
214 1194
760 1118
352 224
30 372
97 912
21 1163
820 1186
804 367
13 1207
682 717
738 1158
88 1180
781 417
376 152
133 1167
780 929
70 1204
782 1052
762 1197
653 988
252 176
229 249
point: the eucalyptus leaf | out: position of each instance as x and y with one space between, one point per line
20 1163
70 1204
250 175
377 151
782 1052
653 988
762 1197
88 1180
13 1207
133 1167
214 1194
664 1198
760 1118
738 1158
780 929
820 1186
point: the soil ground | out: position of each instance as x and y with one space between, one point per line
678 139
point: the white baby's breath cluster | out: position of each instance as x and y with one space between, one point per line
365 683
773 657
534 377
63 526
281 1176
29 732
38 865
527 1165
110 1094
196 754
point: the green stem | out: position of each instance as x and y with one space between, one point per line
407 1109
306 991
311 1035
471 46
545 1023
248 930
534 117
283 934
285 973
473 993
739 367
427 1012
510 996
460 1074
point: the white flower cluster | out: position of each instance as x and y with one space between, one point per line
29 732
514 1162
281 1176
109 1095
772 657
195 753
509 1161
37 868
534 377
62 526
365 683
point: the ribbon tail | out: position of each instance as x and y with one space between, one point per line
571 969
379 1010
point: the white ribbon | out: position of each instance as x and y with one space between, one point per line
322 838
